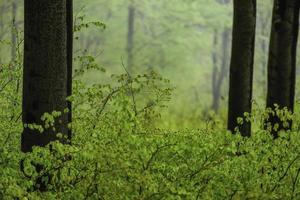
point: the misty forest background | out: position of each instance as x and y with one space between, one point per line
187 42
144 113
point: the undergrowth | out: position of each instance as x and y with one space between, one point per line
117 153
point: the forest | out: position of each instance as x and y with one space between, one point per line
149 100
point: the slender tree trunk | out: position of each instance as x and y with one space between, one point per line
2 14
69 8
294 49
3 31
225 54
45 69
264 19
241 66
130 36
282 59
215 91
263 66
219 73
13 31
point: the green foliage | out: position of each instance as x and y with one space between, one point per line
117 153
80 24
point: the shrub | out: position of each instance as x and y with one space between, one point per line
117 153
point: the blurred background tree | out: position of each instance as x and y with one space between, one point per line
187 41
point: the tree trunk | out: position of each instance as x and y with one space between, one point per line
241 66
69 8
220 75
264 49
225 54
282 59
130 36
13 31
2 14
45 69
215 89
263 20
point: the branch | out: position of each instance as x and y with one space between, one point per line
286 172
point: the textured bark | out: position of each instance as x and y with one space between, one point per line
282 58
69 8
130 36
45 69
241 66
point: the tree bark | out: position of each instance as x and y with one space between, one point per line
69 8
241 66
282 59
45 69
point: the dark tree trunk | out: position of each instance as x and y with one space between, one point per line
282 59
241 66
130 36
13 31
69 8
45 69
294 49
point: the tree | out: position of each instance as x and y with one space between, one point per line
4 6
264 15
130 36
45 69
282 59
241 66
13 31
69 8
220 73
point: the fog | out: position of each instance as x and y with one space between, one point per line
186 41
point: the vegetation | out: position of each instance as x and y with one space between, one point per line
132 104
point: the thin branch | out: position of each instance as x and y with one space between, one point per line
286 172
295 183
5 85
131 89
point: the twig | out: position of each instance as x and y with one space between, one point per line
295 183
105 101
6 84
285 173
131 89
